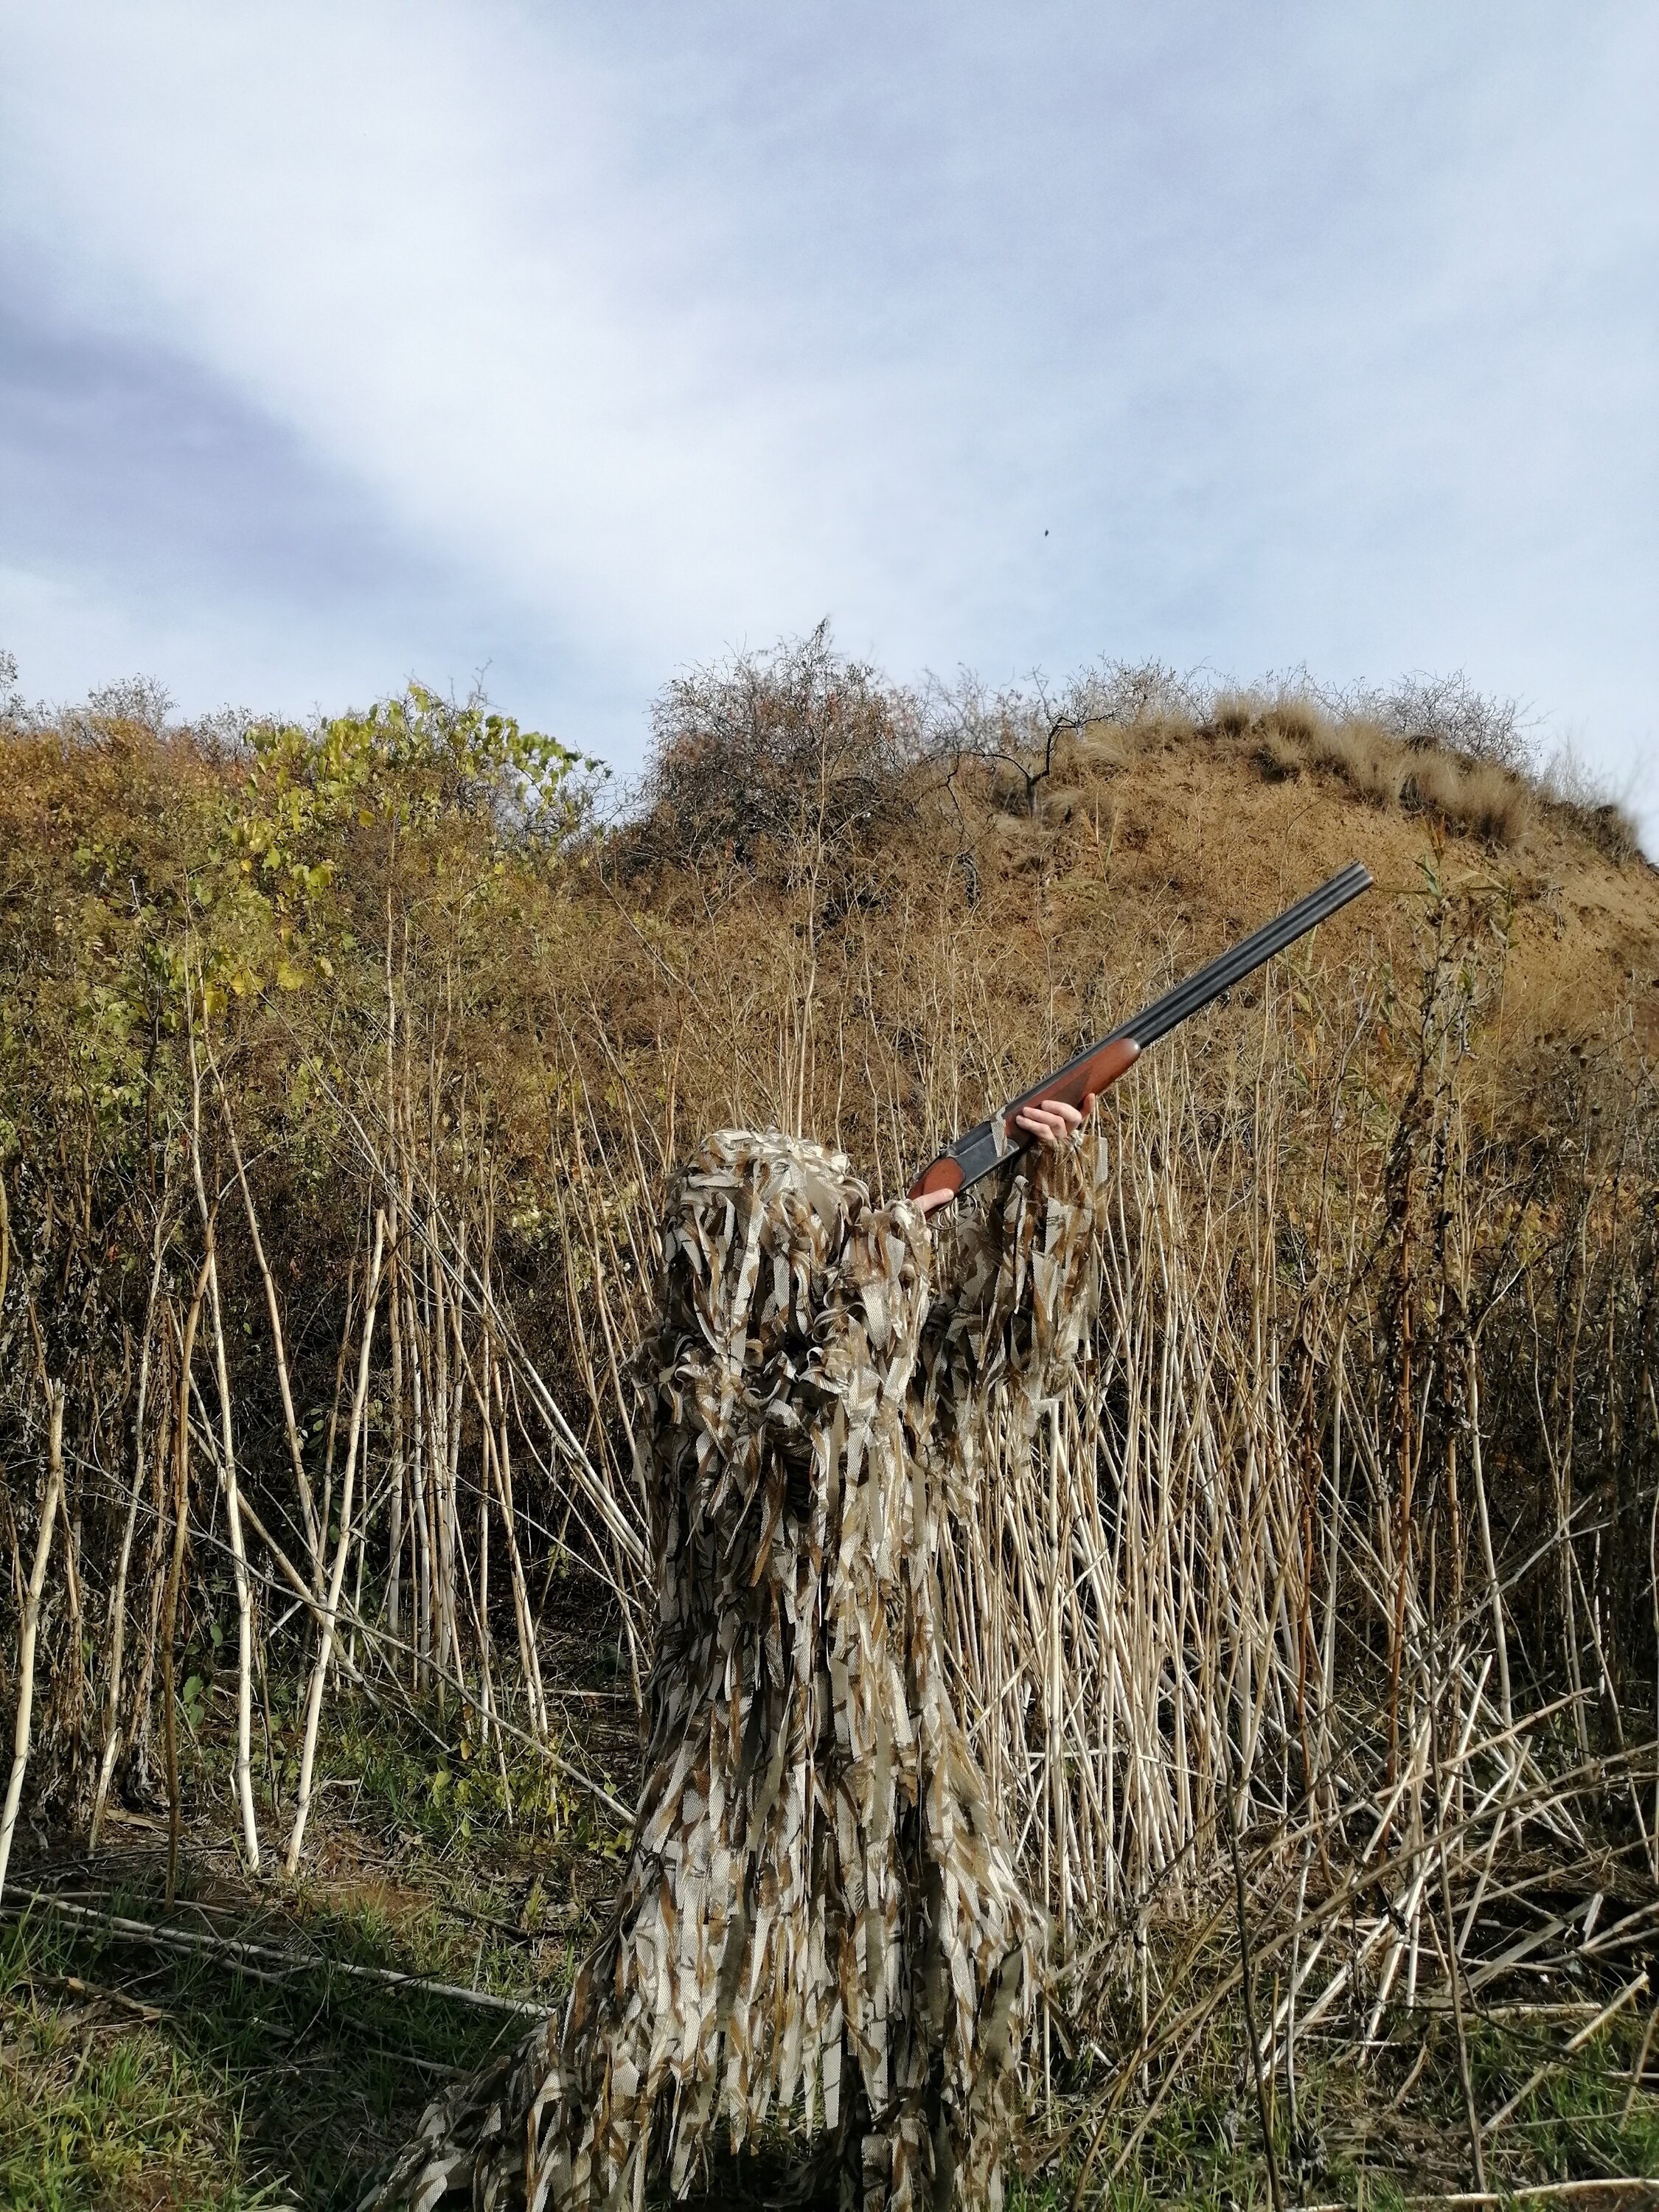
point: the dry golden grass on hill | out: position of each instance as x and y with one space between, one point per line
1185 837
1313 1656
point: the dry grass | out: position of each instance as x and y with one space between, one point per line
1495 805
1373 765
1291 733
1470 769
1478 799
1339 1537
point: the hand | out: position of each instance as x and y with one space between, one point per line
1051 1121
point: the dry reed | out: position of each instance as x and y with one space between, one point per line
375 1273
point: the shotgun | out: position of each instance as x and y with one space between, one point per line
987 1143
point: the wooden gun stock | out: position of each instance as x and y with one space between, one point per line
1075 1084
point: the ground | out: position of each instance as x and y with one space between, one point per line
133 2077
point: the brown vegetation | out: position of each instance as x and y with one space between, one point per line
341 1071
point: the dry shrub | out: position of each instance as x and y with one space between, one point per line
1579 797
1279 760
1494 804
1295 717
1365 758
1104 747
1487 801
1291 729
1433 784
770 759
1147 694
1442 712
1290 709
1448 713
1233 713
1158 733
1611 829
1430 744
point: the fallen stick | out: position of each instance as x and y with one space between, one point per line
1573 2043
241 1954
94 1995
1531 2191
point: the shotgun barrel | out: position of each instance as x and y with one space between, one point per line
978 1149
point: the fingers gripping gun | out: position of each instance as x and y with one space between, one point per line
975 1153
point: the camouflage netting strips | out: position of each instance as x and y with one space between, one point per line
820 1923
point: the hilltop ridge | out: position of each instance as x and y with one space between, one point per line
1199 833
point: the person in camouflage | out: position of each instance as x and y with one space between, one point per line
819 1925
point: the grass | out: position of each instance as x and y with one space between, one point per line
129 2078
1290 735
1359 2140
96 2109
227 2090
1497 804
1573 2124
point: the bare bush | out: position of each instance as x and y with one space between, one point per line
767 755
1442 711
15 712
1012 735
140 699
1016 735
1126 693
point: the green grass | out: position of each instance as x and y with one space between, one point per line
241 2091
237 2091
1360 2142
1572 2126
242 2094
95 2114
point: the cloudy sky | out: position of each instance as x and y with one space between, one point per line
577 343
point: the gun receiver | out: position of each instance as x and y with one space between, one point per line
978 1149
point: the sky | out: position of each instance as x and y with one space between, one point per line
573 345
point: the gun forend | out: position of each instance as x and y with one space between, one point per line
978 1149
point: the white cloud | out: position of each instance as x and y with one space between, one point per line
324 204
1309 335
78 631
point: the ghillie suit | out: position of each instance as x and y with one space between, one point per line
819 1920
